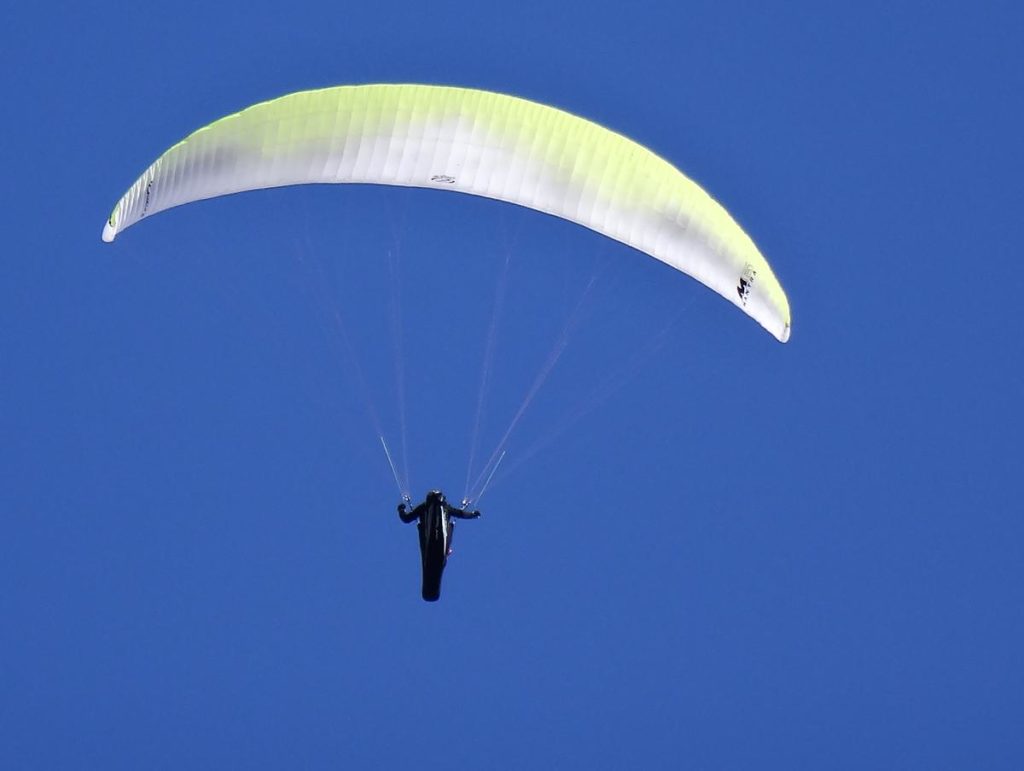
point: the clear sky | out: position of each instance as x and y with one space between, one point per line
704 549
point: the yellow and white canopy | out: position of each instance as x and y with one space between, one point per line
475 142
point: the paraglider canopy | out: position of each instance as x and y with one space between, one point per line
475 142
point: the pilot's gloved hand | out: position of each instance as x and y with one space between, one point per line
401 508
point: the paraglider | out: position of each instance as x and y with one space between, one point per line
436 531
478 143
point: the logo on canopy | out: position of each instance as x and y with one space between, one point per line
746 283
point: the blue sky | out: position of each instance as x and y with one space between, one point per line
740 554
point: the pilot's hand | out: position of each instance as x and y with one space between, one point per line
401 508
476 514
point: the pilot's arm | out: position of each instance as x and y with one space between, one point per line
409 516
462 513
